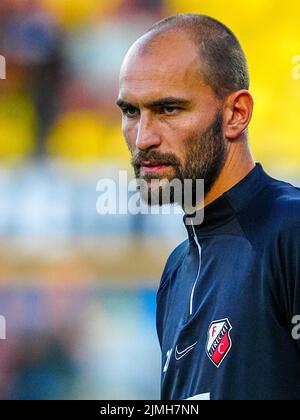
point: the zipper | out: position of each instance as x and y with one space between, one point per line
199 268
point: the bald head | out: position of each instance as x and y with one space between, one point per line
162 56
222 61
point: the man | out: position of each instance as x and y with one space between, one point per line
229 293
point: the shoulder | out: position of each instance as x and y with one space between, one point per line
281 222
288 217
285 239
273 212
285 210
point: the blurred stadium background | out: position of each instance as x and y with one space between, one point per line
78 289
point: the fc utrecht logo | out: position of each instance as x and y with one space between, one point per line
218 341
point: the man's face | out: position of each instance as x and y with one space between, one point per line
171 119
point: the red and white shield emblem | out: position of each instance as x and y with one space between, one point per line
218 341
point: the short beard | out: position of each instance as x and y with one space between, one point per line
205 155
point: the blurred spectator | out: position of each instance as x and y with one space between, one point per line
31 40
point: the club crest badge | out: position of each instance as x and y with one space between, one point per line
218 341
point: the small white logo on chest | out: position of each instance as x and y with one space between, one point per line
180 354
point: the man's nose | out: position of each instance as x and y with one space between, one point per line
147 133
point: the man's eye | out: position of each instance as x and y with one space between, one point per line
169 110
130 112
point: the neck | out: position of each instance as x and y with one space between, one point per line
238 164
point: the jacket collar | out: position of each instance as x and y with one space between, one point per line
225 207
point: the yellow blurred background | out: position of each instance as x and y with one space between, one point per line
78 289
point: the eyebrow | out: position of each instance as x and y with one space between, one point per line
168 101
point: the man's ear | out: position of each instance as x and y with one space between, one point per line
238 108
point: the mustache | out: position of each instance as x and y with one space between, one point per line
152 156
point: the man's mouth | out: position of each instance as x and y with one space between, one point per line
153 167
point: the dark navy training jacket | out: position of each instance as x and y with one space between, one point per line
228 297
